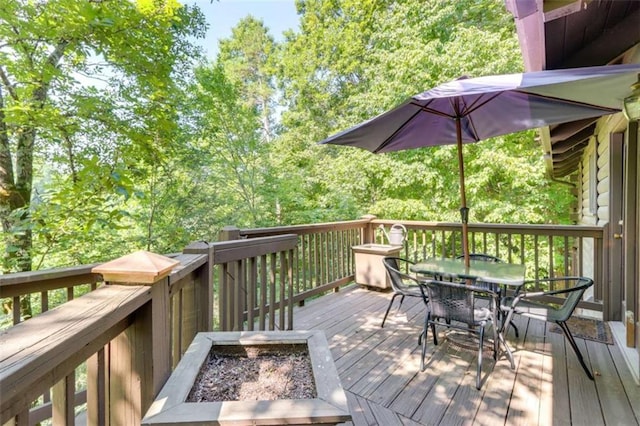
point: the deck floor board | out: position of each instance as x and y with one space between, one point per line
380 370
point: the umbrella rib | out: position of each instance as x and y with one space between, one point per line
432 111
570 101
470 108
477 104
391 136
425 108
474 106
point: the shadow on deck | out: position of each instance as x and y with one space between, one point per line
379 369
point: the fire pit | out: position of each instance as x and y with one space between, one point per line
327 404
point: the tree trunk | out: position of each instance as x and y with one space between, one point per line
15 186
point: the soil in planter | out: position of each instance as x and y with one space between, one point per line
256 372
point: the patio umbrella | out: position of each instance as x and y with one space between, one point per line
472 109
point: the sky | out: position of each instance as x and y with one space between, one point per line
223 15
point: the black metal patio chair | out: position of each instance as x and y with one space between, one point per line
402 283
455 304
491 259
537 305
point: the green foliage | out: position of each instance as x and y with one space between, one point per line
115 138
228 133
84 87
366 58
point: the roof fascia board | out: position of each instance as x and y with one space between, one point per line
530 29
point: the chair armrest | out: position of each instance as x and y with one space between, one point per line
586 282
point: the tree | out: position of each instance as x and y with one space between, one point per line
247 60
355 59
228 134
233 114
69 67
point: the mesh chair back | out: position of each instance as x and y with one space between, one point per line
532 305
392 264
574 296
451 301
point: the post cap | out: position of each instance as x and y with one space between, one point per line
139 267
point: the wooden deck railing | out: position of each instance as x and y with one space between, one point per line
123 341
120 342
546 250
325 260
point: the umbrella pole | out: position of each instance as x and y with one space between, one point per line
464 211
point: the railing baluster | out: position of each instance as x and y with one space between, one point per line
16 310
567 252
552 272
341 250
96 390
251 293
226 308
333 256
272 291
284 266
178 324
580 255
290 293
44 301
263 291
316 261
239 296
536 257
324 262
190 315
63 398
306 262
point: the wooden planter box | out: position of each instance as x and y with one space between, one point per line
329 407
370 270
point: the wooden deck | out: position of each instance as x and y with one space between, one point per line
379 369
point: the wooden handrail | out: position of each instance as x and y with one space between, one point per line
38 353
20 283
230 251
304 229
124 322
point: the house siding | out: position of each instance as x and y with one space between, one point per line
594 189
588 215
600 146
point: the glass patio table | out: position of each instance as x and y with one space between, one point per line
503 274
497 275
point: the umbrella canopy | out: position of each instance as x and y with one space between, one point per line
472 109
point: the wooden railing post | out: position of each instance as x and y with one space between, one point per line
229 233
204 289
368 232
140 357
